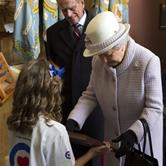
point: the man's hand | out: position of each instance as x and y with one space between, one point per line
127 139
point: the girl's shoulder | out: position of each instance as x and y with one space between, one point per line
52 126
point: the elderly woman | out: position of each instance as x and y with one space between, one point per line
126 82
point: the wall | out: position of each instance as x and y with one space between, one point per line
88 3
144 20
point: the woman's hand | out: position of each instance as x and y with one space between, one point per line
127 140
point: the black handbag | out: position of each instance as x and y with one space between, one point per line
139 158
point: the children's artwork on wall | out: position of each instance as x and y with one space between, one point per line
118 7
28 24
162 19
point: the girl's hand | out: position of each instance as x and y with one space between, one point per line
93 152
99 150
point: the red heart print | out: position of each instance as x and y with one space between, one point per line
23 161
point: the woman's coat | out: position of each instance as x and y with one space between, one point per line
126 93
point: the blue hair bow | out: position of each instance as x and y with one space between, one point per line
53 71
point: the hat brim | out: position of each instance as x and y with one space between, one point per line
89 53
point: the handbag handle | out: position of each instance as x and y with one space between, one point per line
147 131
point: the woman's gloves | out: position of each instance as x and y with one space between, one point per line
127 139
72 125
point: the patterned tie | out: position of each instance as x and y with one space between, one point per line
76 30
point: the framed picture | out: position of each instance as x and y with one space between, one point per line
162 19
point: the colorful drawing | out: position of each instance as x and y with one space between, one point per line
27 24
118 7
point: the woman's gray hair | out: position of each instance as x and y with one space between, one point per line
124 41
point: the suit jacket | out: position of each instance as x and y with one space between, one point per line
66 52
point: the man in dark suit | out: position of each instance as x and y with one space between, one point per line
65 47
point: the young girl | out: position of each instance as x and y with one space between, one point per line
37 137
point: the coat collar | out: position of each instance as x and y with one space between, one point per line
129 56
128 59
66 34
